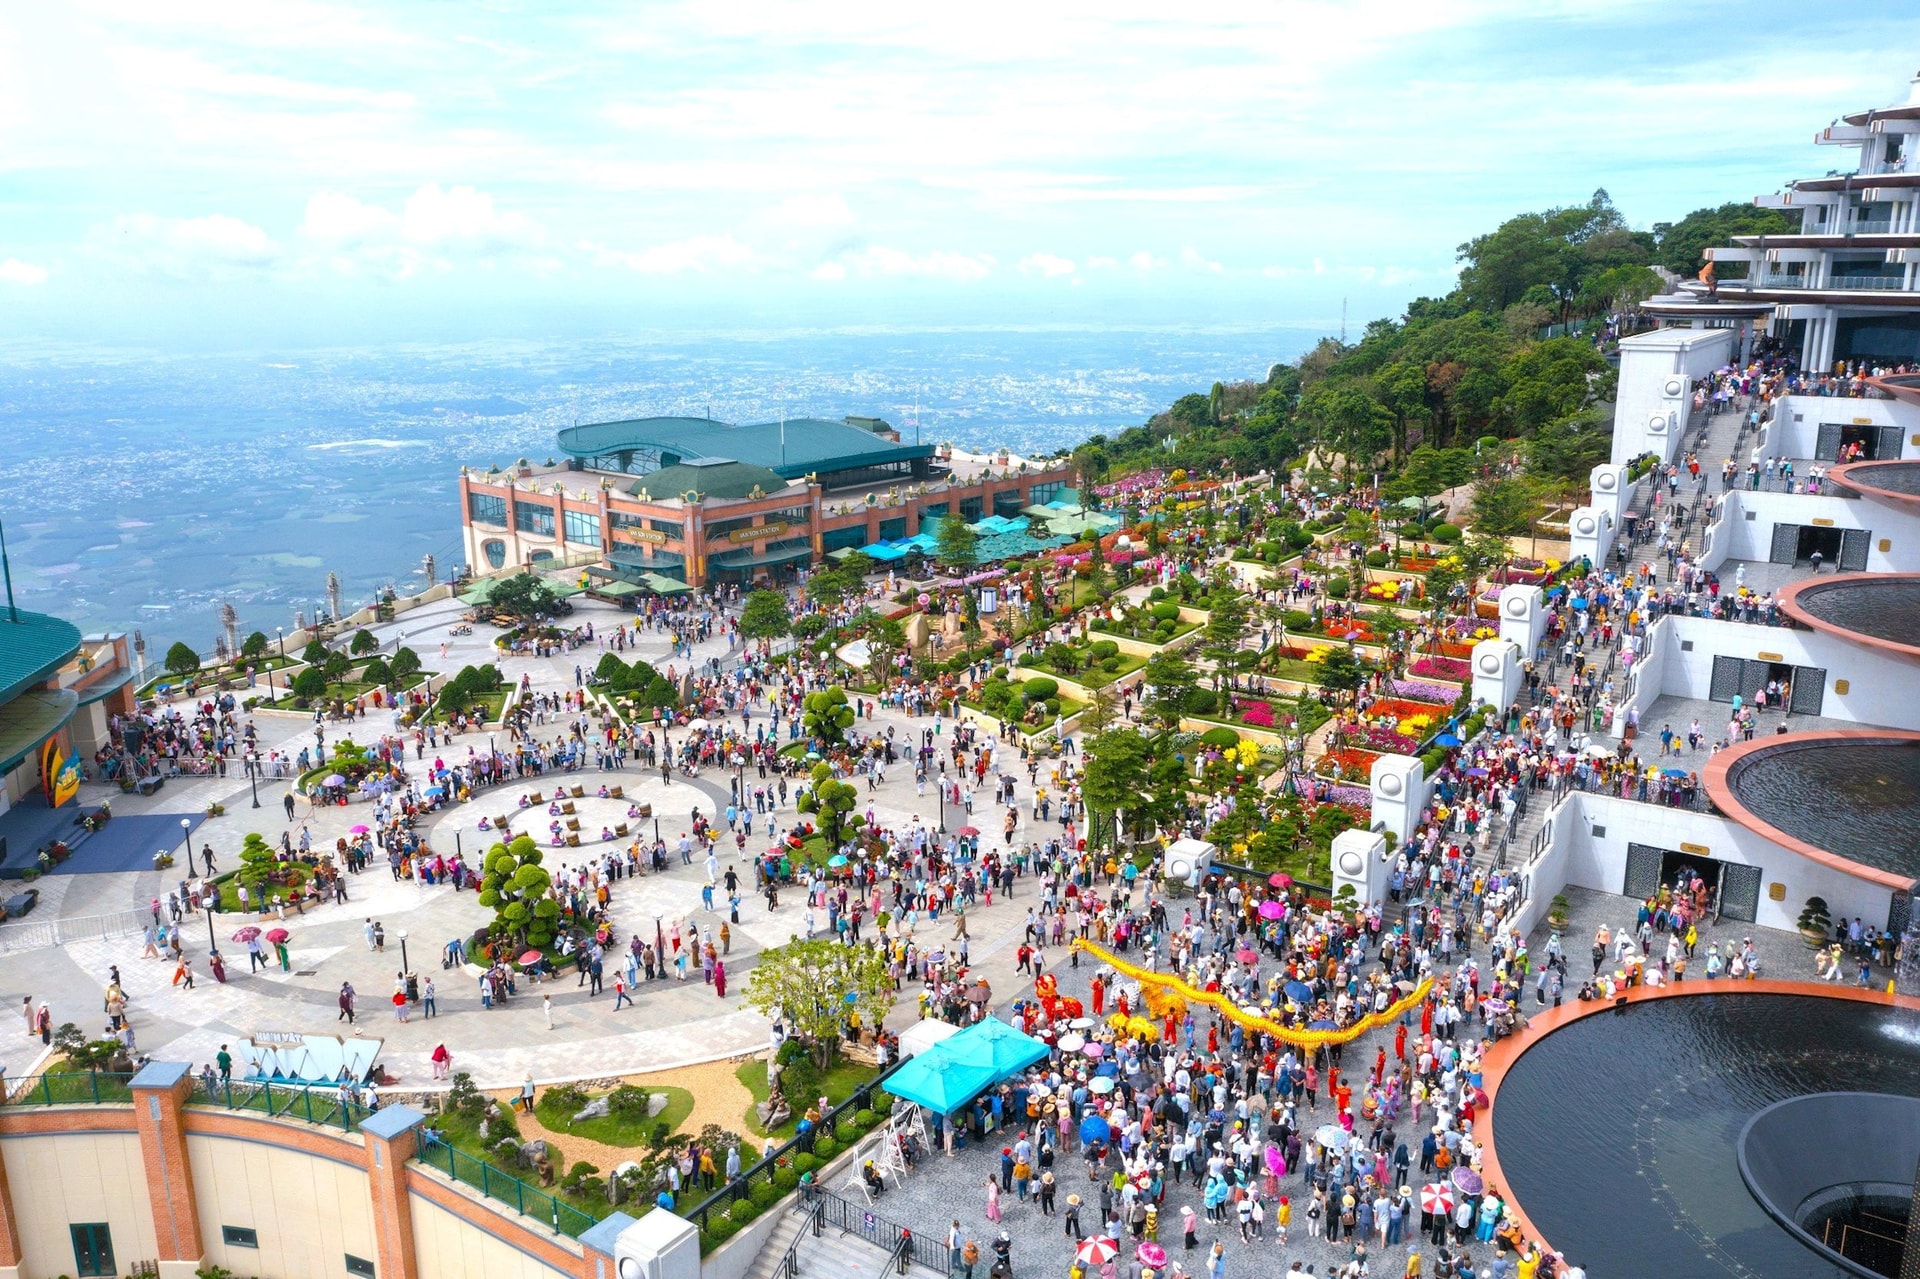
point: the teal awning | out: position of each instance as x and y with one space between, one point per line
30 719
995 1044
938 1081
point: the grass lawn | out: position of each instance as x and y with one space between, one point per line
837 1085
1068 709
463 1134
493 703
1292 668
1095 676
1180 631
619 1130
230 897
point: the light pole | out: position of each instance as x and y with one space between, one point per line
186 843
213 943
281 634
404 967
253 775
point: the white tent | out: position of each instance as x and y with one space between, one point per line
924 1034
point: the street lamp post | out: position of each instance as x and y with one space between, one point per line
213 943
281 634
186 843
253 775
404 966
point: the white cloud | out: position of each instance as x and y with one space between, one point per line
828 210
701 253
878 261
1144 261
433 229
215 244
1193 260
339 220
464 216
1047 264
14 271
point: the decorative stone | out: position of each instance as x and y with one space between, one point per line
595 1109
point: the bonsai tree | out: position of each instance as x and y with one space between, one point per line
1558 911
404 663
827 717
310 684
314 653
831 803
182 660
256 861
514 887
1814 923
255 645
336 666
377 672
362 643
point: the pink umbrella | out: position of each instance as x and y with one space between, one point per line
1094 1049
1272 910
1246 956
1151 1254
359 830
1280 879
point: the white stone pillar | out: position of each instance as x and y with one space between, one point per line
1609 486
658 1246
1399 785
1360 863
1497 677
1523 616
1589 534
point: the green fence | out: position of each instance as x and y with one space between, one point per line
69 1088
316 1105
504 1187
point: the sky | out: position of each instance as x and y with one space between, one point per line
219 173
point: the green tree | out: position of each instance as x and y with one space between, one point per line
309 684
1115 777
256 862
362 643
1228 617
1549 380
405 662
765 616
1168 680
828 588
314 653
831 803
377 671
1567 450
336 666
1505 507
182 660
1343 670
255 645
513 885
959 545
1101 710
812 987
523 596
826 717
1683 244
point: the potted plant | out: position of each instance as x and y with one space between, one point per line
1814 923
1558 911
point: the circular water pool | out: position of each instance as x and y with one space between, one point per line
1880 607
1858 798
1618 1134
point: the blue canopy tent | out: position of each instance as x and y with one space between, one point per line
937 1080
995 1044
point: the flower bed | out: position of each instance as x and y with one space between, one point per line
1432 667
1385 741
1348 762
1442 695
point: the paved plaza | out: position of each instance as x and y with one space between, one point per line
673 1023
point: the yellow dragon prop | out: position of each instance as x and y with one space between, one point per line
1233 1012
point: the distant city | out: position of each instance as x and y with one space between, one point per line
145 491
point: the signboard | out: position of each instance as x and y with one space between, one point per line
293 1057
758 531
1769 657
1698 850
60 773
650 535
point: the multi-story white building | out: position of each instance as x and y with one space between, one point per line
1845 285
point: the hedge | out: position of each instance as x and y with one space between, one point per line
1040 689
1447 533
1222 738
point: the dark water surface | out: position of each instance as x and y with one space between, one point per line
1616 1134
1857 799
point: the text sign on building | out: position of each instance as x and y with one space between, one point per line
650 535
1698 850
757 532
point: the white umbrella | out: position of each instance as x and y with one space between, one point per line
1071 1043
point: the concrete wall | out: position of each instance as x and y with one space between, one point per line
1744 530
1794 429
1864 684
449 1246
1655 395
58 1180
1599 861
309 1211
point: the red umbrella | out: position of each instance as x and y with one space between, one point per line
1151 1255
246 934
967 832
278 935
1436 1196
531 957
1280 879
1097 1250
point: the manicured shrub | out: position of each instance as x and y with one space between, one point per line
1446 533
1220 739
1041 688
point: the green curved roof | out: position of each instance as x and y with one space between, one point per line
32 647
797 447
709 479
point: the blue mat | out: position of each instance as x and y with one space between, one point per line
127 842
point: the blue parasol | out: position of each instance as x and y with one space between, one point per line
1446 739
1094 1128
1299 990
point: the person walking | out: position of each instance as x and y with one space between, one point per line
620 995
429 1005
346 1003
993 1201
720 978
546 1009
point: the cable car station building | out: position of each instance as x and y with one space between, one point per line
675 501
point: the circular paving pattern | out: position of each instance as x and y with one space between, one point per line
547 810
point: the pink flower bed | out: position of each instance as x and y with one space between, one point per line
1256 714
1414 690
1386 741
1442 668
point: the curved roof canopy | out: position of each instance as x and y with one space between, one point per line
32 647
797 447
709 478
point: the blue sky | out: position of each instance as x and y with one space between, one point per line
235 171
